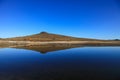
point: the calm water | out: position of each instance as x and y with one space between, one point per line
87 63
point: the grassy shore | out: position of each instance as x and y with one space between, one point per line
97 43
48 46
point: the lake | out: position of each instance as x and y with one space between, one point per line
78 63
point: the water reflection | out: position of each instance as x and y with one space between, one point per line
46 47
89 63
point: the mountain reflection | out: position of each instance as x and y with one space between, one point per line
49 47
44 48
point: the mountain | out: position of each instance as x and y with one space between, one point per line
44 36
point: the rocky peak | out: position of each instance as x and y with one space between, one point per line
43 32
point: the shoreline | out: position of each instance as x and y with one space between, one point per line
59 42
56 45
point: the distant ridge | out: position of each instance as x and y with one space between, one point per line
45 36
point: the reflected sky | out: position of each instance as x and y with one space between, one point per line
97 63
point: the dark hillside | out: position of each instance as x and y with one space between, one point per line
44 36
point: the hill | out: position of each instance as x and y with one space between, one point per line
44 36
1 38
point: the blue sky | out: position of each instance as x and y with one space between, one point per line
80 18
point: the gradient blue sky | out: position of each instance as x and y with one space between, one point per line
81 18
